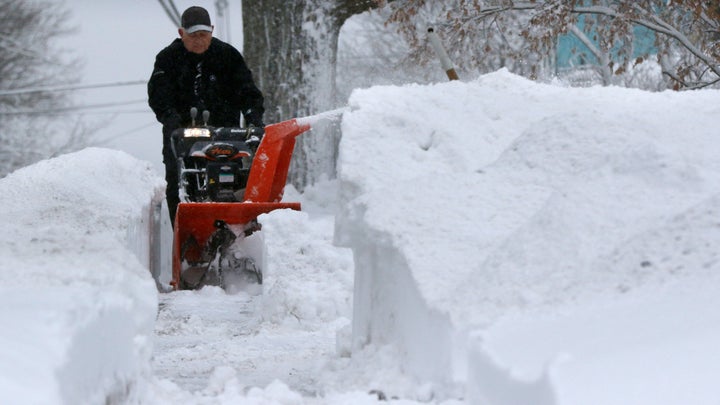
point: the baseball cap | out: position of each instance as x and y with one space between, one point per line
196 19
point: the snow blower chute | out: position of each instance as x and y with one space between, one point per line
226 180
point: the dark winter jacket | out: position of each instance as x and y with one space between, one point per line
217 81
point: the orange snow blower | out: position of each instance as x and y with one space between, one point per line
226 180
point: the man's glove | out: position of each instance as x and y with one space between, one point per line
253 117
254 136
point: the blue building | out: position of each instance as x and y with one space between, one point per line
571 52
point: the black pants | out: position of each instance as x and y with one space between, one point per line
171 175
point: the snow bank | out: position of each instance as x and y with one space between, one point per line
77 302
467 204
299 266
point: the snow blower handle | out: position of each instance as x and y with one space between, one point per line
175 137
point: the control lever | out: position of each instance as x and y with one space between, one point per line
193 115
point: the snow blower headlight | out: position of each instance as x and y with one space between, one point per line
196 133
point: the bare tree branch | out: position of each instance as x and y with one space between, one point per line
657 25
687 29
33 60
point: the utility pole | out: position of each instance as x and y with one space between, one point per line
222 20
445 61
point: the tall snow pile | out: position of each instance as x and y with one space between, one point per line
528 243
77 302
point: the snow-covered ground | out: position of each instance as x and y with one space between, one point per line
497 241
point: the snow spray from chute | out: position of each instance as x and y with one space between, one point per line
331 115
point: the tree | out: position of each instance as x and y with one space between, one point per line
371 52
292 49
690 42
476 45
687 34
30 65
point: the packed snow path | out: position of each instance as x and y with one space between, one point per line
197 331
287 333
189 345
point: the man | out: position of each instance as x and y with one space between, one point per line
197 70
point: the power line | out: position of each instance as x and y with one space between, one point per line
69 87
65 110
171 11
123 134
116 112
175 11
